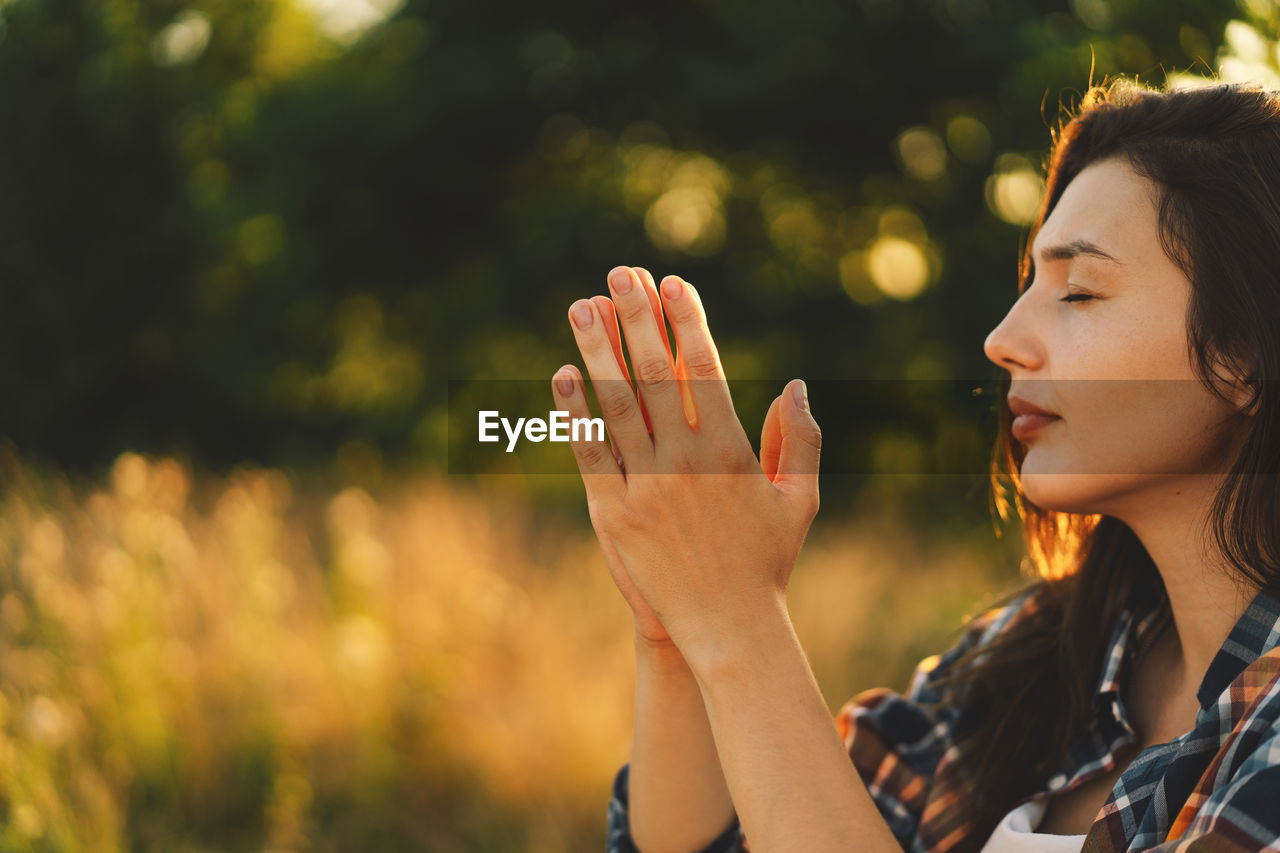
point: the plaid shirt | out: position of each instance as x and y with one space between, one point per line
1215 788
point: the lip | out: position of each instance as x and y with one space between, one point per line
1025 425
1029 418
1021 406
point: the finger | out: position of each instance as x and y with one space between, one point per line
655 302
610 317
771 438
797 475
651 363
596 463
618 404
697 352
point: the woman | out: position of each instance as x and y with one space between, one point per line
1126 699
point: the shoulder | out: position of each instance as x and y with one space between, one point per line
900 717
896 742
1232 806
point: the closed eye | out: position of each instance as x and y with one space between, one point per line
1075 297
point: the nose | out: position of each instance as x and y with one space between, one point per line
1012 344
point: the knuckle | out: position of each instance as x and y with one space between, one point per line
626 522
594 455
616 405
632 311
653 370
702 365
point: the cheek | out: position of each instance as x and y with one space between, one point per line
1128 393
1138 426
1124 345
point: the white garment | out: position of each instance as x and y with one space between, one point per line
1016 833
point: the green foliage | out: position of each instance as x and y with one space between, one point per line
229 235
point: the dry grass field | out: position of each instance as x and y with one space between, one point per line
242 664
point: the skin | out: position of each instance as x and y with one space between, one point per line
1149 453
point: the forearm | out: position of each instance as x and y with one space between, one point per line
679 800
789 774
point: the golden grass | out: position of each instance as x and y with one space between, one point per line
237 664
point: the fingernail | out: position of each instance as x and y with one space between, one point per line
581 313
621 281
671 288
564 383
802 396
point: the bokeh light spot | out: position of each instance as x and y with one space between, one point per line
898 267
344 21
260 239
688 219
922 153
183 40
1014 191
969 139
682 194
1094 14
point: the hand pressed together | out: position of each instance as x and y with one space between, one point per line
699 535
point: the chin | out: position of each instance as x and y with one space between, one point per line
1074 493
1052 487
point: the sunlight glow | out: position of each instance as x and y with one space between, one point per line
344 21
687 214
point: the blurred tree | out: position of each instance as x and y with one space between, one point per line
255 230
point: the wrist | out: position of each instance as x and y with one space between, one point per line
739 648
662 668
658 651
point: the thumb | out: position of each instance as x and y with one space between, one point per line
771 439
801 443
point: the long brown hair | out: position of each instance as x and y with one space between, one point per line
1214 154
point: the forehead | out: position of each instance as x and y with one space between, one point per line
1108 204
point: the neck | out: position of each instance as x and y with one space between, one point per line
1206 601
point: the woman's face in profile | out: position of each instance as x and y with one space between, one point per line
1103 344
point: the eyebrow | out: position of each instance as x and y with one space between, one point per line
1067 251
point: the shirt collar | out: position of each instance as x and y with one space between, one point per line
1256 632
1141 620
